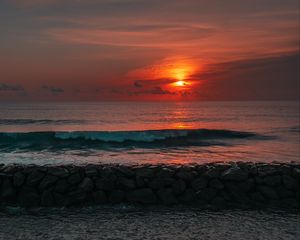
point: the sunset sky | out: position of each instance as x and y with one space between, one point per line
92 50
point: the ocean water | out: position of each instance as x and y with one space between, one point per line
134 132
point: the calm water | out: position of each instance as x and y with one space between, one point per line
133 223
121 132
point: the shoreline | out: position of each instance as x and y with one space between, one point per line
210 185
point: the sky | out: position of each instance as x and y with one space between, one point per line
141 50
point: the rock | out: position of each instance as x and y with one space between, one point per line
213 172
199 183
284 193
235 174
216 183
8 192
166 196
268 192
272 180
34 177
290 203
185 174
99 197
61 186
237 192
60 199
77 197
47 181
18 179
143 195
86 185
188 196
289 182
266 170
59 172
91 171
157 183
105 184
28 197
116 196
144 172
285 170
125 171
47 199
127 183
257 197
296 173
178 186
165 173
206 194
140 182
75 178
219 202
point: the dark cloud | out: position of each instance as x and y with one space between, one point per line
53 90
155 91
18 89
152 82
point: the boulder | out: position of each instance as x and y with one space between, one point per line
213 172
116 196
60 199
178 187
47 181
34 177
206 194
157 183
166 196
235 174
218 202
165 173
105 184
77 197
274 180
86 185
59 172
216 183
144 172
75 178
188 196
185 174
127 183
284 193
99 197
268 192
28 197
7 190
47 199
257 197
266 170
199 183
18 179
143 195
289 182
91 171
62 186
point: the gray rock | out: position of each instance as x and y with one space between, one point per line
86 185
116 196
268 192
199 183
143 195
47 199
75 178
59 172
34 177
19 179
28 197
235 174
47 181
289 182
272 180
61 186
166 196
216 183
178 186
99 197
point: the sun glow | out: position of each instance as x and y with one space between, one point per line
180 83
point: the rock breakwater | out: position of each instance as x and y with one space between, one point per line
217 185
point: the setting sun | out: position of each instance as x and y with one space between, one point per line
180 83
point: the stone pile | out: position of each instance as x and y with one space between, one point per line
219 185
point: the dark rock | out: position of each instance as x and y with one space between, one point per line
272 180
185 174
285 170
47 181
144 195
34 177
219 202
237 192
284 193
77 196
290 203
235 174
47 199
206 194
8 191
188 196
166 196
289 182
296 173
99 197
91 171
213 172
157 183
268 192
29 197
60 199
144 172
216 183
59 172
86 185
116 196
199 183
105 184
140 182
61 186
127 183
19 179
125 171
266 170
178 186
165 173
257 197
75 178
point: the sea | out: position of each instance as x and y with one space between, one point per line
148 133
